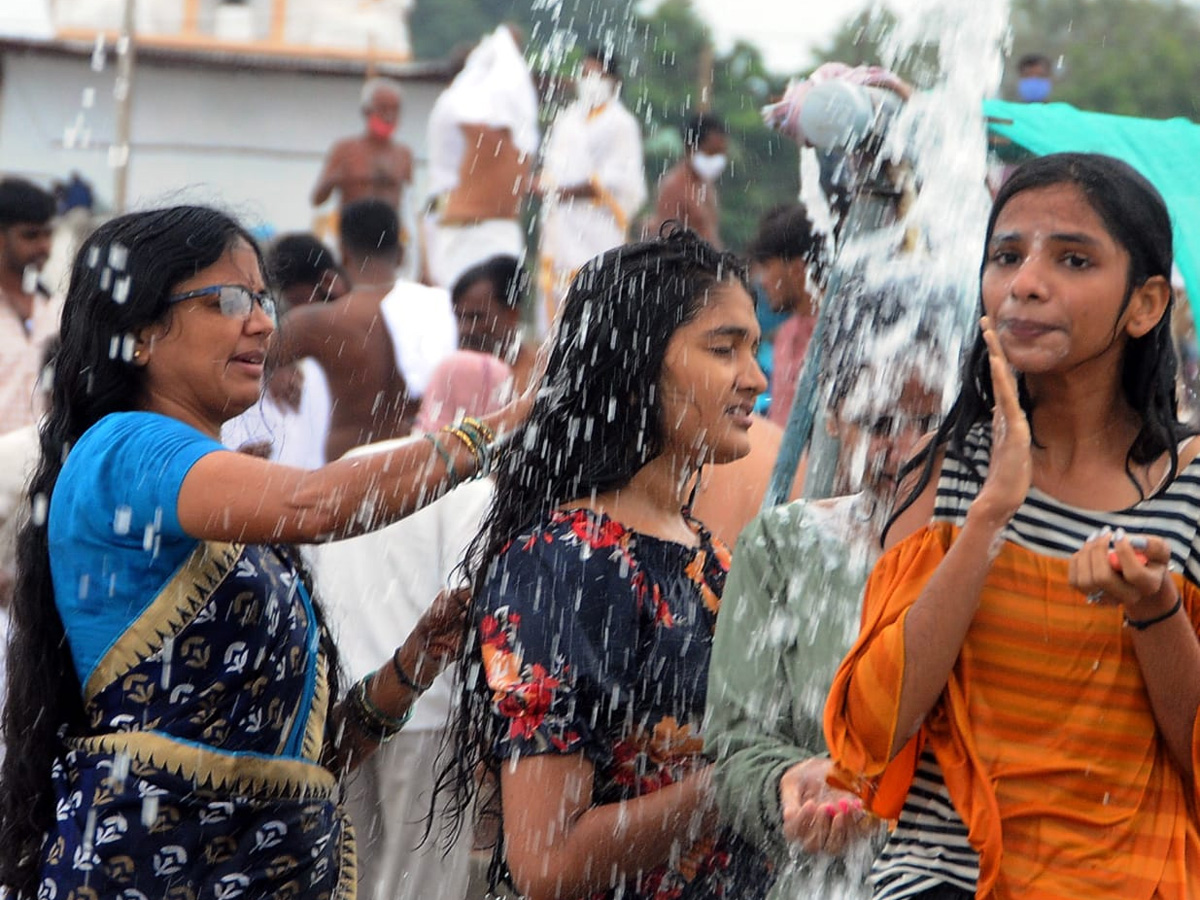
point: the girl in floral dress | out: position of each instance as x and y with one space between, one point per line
596 594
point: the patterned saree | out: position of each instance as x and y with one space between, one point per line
198 775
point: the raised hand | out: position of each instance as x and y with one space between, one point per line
1010 472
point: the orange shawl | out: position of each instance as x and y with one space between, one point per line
1044 733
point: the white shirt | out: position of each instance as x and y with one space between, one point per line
376 586
602 147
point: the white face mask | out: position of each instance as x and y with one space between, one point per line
594 90
709 166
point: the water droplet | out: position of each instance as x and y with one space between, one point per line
41 506
98 55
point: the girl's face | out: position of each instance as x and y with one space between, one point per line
711 378
1054 283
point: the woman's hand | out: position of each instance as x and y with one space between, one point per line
1113 568
437 639
1010 472
820 818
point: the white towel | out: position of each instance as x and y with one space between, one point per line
421 324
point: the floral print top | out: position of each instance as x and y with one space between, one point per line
596 639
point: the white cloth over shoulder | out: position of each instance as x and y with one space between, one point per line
297 437
377 585
495 89
421 324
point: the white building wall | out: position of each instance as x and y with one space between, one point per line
249 140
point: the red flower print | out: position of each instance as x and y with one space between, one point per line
528 702
597 533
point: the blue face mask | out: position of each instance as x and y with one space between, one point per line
1034 90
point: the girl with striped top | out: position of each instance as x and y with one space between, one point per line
1022 698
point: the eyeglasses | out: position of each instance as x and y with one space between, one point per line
236 301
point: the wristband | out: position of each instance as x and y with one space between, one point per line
405 679
1143 624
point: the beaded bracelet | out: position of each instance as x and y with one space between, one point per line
371 720
405 679
1143 624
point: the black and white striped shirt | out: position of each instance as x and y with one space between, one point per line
929 846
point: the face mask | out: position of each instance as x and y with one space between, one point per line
379 127
1034 90
594 91
709 167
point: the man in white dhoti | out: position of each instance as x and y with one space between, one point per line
592 179
482 132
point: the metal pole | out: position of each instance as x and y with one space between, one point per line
119 153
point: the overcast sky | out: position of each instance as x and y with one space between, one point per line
785 30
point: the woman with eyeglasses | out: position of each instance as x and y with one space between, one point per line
174 721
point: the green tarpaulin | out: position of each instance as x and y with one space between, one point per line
1162 150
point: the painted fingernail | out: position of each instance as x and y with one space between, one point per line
844 805
1106 530
1139 543
1091 537
829 809
1119 534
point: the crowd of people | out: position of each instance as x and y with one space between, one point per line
318 578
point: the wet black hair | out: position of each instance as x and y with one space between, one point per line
23 202
787 233
1136 217
148 254
369 228
699 127
1029 60
298 258
504 272
595 423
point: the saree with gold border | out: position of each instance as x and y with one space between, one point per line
199 775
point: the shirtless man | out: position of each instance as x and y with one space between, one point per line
371 166
688 192
483 129
371 400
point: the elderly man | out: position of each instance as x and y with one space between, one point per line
370 166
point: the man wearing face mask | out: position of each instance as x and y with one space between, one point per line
592 179
688 192
370 166
1034 81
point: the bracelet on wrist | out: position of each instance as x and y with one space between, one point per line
451 475
405 679
370 719
1143 624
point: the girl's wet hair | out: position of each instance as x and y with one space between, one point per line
1136 217
120 281
596 421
